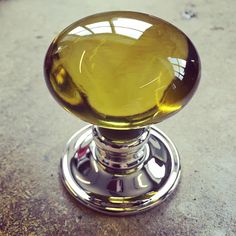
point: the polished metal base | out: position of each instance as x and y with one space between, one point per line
108 184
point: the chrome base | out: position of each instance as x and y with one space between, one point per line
120 183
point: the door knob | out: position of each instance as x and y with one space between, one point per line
121 72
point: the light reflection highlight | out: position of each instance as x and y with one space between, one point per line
124 26
157 171
82 180
119 199
169 108
81 31
80 63
179 66
140 181
100 27
95 166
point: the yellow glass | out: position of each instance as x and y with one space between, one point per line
122 70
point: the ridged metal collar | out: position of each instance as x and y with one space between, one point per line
121 154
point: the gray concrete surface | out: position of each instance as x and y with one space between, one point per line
34 129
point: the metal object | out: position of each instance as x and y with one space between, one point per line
120 176
121 71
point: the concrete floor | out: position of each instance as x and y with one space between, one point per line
34 129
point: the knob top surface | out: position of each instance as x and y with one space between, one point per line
122 70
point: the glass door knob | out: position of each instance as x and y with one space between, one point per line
121 72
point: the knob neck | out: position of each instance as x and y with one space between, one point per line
121 151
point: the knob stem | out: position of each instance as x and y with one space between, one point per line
121 151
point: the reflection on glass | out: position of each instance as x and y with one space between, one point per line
81 31
80 63
134 30
179 67
100 27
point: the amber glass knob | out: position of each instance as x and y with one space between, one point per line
121 72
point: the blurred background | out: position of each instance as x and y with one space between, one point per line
34 128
